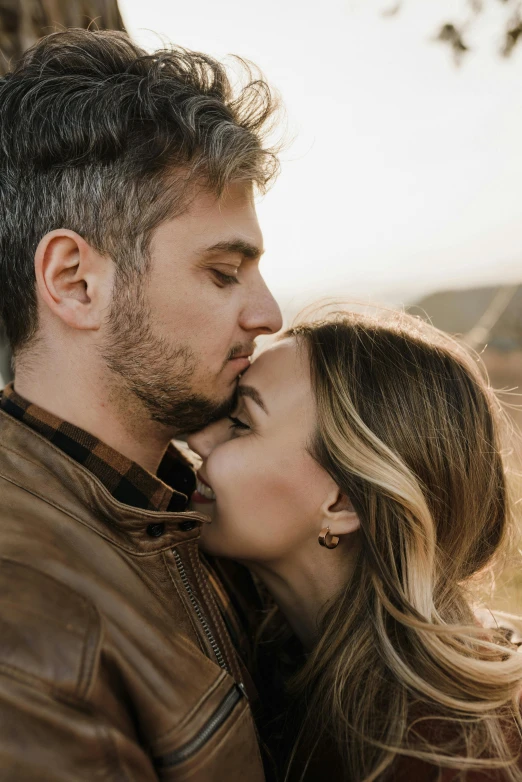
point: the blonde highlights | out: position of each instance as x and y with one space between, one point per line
407 426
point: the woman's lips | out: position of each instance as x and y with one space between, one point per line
203 494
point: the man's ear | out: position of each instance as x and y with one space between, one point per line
339 514
73 279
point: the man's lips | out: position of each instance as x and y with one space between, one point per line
239 357
240 363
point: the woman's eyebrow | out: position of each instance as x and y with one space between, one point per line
253 394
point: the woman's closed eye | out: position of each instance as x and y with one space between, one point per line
236 423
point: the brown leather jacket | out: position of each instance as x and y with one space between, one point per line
115 663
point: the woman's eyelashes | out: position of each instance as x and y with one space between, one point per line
237 424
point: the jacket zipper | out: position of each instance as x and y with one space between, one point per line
185 752
203 622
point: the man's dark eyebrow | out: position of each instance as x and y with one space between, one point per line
237 247
252 393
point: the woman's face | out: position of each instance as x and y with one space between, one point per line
268 490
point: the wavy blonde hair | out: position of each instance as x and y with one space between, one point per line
408 427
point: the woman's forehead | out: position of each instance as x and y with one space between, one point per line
278 361
280 374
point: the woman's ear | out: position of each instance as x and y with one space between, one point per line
339 514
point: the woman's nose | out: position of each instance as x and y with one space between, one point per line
198 442
204 441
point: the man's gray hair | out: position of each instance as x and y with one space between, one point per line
99 137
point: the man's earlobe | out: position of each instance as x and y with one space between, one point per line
68 280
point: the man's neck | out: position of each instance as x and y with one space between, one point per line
88 404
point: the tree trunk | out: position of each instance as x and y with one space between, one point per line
22 22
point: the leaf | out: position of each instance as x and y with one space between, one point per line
512 37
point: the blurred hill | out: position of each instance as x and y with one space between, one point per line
490 321
481 315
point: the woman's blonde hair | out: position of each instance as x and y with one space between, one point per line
407 426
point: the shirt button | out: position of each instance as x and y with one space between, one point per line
156 530
178 503
186 526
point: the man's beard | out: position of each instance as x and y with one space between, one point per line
159 375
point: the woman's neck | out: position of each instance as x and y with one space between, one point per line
305 586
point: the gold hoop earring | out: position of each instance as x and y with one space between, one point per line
323 538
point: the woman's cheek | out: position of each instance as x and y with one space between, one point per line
258 510
244 511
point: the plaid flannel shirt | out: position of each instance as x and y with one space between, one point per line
169 490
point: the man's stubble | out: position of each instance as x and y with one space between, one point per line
158 375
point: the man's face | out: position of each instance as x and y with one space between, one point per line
180 336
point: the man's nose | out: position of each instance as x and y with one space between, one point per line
204 441
261 313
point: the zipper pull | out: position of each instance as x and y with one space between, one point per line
242 687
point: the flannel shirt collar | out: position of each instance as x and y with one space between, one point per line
126 481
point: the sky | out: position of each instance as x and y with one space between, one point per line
404 172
